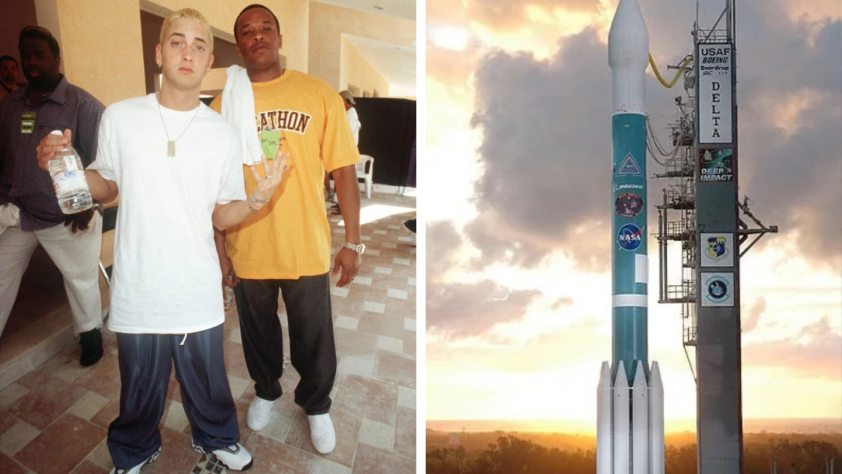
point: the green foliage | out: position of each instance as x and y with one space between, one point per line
510 454
447 461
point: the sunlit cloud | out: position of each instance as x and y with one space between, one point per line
449 37
814 10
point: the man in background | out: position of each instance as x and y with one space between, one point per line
8 75
353 118
27 115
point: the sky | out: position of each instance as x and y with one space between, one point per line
518 228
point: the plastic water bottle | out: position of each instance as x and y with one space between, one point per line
69 180
229 297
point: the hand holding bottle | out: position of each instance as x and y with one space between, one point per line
65 167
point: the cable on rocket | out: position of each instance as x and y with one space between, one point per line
681 67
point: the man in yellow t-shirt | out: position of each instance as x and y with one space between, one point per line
285 247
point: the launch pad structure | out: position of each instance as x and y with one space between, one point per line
700 210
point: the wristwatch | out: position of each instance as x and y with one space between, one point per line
359 248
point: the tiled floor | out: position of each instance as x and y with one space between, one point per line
54 419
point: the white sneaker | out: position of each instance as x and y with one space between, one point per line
321 433
235 457
136 469
259 412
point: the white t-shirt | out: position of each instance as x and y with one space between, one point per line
166 277
354 120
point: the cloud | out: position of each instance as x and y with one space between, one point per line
814 9
445 11
791 151
546 139
754 314
462 310
815 352
583 343
506 14
546 154
450 66
443 242
459 310
561 302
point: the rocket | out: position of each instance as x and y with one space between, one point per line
630 408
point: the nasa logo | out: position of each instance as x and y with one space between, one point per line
628 205
717 248
717 289
629 237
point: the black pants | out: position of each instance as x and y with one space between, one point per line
312 347
145 364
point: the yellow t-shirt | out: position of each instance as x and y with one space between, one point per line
290 236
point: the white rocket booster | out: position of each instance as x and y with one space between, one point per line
640 422
630 422
621 421
604 402
656 421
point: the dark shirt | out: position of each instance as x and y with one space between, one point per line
22 182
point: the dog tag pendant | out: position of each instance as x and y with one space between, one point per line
171 149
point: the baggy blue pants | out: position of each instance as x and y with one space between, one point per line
145 363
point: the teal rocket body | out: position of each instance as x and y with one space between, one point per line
629 241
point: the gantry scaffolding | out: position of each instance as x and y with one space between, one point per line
677 211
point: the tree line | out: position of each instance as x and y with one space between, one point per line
510 454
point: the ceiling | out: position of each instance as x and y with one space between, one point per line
396 63
397 8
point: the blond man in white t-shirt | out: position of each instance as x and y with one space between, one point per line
178 168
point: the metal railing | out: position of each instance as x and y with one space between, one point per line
683 292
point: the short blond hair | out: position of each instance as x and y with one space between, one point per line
189 14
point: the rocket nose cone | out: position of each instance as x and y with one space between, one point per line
628 38
628 16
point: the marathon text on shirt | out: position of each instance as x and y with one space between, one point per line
289 120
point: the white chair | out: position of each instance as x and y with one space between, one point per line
366 175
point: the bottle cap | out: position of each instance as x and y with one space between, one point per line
58 132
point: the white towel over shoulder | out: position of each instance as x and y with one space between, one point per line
238 109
